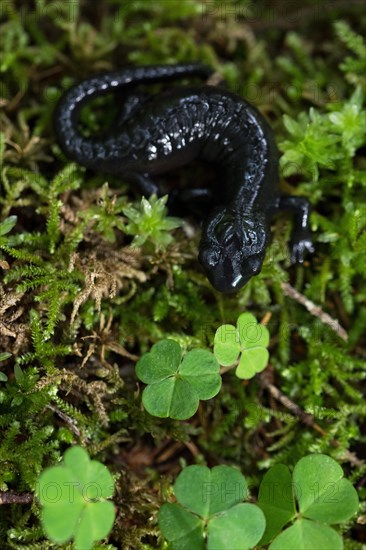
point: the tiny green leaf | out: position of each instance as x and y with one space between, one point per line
62 503
77 461
192 489
276 499
161 361
19 374
59 522
229 487
252 361
252 333
239 528
7 225
201 370
208 491
3 357
96 523
181 526
307 535
226 345
172 397
322 492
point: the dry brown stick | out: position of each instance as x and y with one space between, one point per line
14 498
69 421
306 418
315 310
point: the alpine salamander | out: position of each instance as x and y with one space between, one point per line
156 133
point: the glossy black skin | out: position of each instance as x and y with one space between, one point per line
156 133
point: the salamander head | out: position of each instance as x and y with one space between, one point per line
232 248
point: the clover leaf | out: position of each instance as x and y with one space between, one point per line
239 528
323 497
249 339
276 499
175 386
74 500
323 493
209 507
306 534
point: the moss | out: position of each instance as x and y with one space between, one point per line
79 304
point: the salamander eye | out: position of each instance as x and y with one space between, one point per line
210 257
214 256
224 232
251 237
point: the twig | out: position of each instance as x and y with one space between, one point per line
306 418
69 421
315 310
14 498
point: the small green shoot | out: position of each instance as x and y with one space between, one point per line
249 340
308 149
150 223
175 386
5 227
323 497
73 498
3 357
106 214
210 508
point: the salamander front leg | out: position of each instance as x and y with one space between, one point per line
301 240
144 183
190 201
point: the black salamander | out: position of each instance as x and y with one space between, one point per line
157 133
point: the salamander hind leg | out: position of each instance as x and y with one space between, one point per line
301 239
130 106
